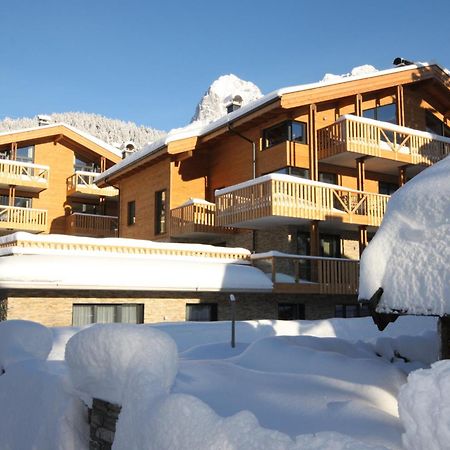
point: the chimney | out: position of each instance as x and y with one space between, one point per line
44 120
128 148
235 104
399 62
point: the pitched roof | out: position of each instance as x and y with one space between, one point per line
198 129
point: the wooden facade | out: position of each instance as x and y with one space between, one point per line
355 141
41 190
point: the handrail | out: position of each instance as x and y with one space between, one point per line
92 225
24 218
375 138
320 275
81 179
17 169
293 197
192 217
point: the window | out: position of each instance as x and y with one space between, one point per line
326 177
387 188
25 154
293 171
160 211
201 312
80 164
285 131
85 208
291 311
131 213
386 113
436 126
21 202
348 311
85 314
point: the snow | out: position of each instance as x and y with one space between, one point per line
213 104
409 257
103 358
143 272
203 127
286 385
358 71
21 340
425 409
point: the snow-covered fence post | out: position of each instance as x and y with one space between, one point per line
444 334
102 421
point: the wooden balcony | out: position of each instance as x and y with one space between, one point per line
274 200
81 184
195 218
91 225
23 175
309 274
14 218
352 137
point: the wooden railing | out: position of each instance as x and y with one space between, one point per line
23 173
193 217
374 138
91 225
309 274
23 219
83 182
292 197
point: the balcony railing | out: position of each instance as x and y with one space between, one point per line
23 219
193 217
284 196
381 139
29 175
82 183
309 274
91 225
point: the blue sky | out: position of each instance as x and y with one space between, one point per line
150 62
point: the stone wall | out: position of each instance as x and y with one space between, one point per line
102 420
55 308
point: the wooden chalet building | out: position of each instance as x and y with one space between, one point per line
47 182
302 175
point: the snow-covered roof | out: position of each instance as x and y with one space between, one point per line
409 257
199 128
151 273
94 139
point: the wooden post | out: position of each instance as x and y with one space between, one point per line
312 134
11 195
444 334
402 175
363 240
13 151
400 106
361 173
358 105
102 164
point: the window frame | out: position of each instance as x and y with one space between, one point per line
160 212
213 311
117 312
287 133
131 213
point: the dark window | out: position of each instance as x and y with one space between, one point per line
85 208
84 314
82 165
326 177
131 213
386 113
387 188
201 312
160 211
25 154
436 126
21 202
291 311
348 311
293 171
286 131
329 245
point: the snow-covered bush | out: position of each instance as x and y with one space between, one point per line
424 407
105 358
21 340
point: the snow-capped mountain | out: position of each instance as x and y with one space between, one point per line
112 131
213 104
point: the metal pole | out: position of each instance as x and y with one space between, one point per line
233 320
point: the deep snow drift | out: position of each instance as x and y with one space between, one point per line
409 257
330 384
